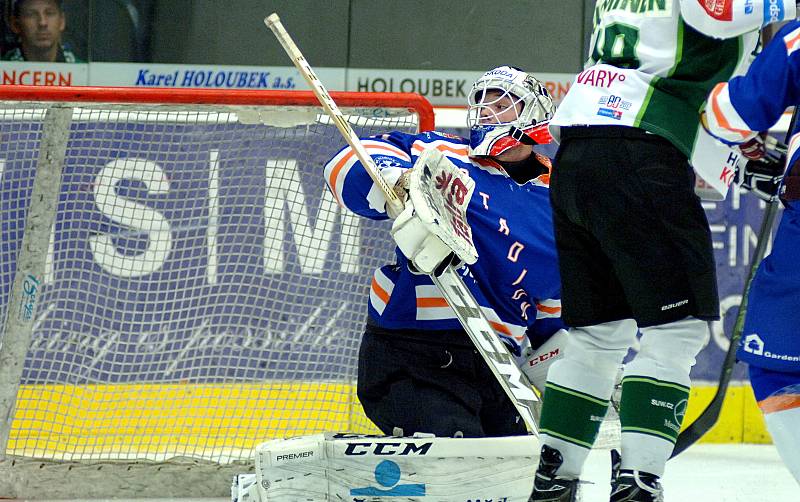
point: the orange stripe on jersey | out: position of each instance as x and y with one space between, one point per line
548 310
780 403
383 146
501 328
335 174
717 110
431 302
382 294
457 149
792 43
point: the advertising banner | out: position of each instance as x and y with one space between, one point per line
440 87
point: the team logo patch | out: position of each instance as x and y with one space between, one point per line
615 102
721 10
753 344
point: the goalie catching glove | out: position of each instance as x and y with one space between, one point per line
432 231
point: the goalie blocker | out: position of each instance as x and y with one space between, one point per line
357 468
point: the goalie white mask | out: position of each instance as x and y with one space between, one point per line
507 107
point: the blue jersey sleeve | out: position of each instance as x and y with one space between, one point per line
350 183
771 84
755 101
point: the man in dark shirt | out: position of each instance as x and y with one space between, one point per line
39 26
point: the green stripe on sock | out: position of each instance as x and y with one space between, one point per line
571 415
653 407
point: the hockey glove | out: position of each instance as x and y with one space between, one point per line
433 226
755 148
762 177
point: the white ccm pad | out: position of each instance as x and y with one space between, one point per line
361 468
434 222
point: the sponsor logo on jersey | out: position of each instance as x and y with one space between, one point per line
598 77
608 112
721 10
748 7
615 102
646 8
773 11
754 344
387 475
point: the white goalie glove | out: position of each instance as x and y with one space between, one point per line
432 230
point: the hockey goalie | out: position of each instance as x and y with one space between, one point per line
434 231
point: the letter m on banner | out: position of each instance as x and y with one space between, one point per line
284 193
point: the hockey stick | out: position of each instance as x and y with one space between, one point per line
487 343
709 416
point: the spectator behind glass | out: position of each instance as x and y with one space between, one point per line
39 26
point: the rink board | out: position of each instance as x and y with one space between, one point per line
241 416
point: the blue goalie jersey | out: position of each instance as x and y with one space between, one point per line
515 279
755 102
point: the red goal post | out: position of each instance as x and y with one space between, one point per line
177 283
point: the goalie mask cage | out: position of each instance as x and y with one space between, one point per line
178 285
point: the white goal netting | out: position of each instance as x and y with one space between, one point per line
198 290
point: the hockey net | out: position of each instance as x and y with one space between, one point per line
188 287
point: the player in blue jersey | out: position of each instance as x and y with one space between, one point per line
771 338
418 371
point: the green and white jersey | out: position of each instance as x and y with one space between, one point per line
653 63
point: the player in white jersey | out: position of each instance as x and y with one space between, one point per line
418 371
633 240
770 342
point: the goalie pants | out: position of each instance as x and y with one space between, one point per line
633 240
431 382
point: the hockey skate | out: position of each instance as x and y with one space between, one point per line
547 487
633 486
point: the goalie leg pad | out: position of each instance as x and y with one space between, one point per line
330 466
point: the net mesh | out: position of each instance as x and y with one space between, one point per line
203 291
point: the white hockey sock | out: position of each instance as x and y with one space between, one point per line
579 386
655 391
